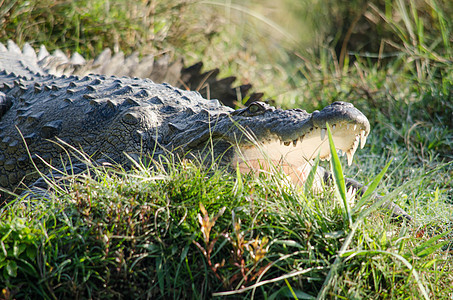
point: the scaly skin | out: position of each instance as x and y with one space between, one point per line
110 116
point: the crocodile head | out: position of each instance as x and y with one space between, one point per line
264 136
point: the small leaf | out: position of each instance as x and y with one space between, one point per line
203 210
428 264
18 249
11 268
239 185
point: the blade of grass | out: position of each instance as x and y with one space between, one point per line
429 246
338 175
311 176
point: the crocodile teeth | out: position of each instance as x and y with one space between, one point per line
362 139
295 143
350 153
350 156
355 145
355 127
333 127
323 134
286 143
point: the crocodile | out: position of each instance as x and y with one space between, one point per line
113 119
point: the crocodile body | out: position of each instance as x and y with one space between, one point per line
113 119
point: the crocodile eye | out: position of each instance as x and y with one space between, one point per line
255 108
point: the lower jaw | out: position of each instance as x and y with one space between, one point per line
297 174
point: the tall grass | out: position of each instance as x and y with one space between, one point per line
180 230
88 26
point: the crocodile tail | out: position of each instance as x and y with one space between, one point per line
158 68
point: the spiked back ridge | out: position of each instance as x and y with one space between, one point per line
159 69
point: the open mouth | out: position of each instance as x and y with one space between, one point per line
295 157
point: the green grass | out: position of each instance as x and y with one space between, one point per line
153 233
185 231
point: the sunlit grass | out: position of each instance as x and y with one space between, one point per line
154 232
143 233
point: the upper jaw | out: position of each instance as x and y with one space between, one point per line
289 125
338 115
347 138
294 134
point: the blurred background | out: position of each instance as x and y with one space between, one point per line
264 42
